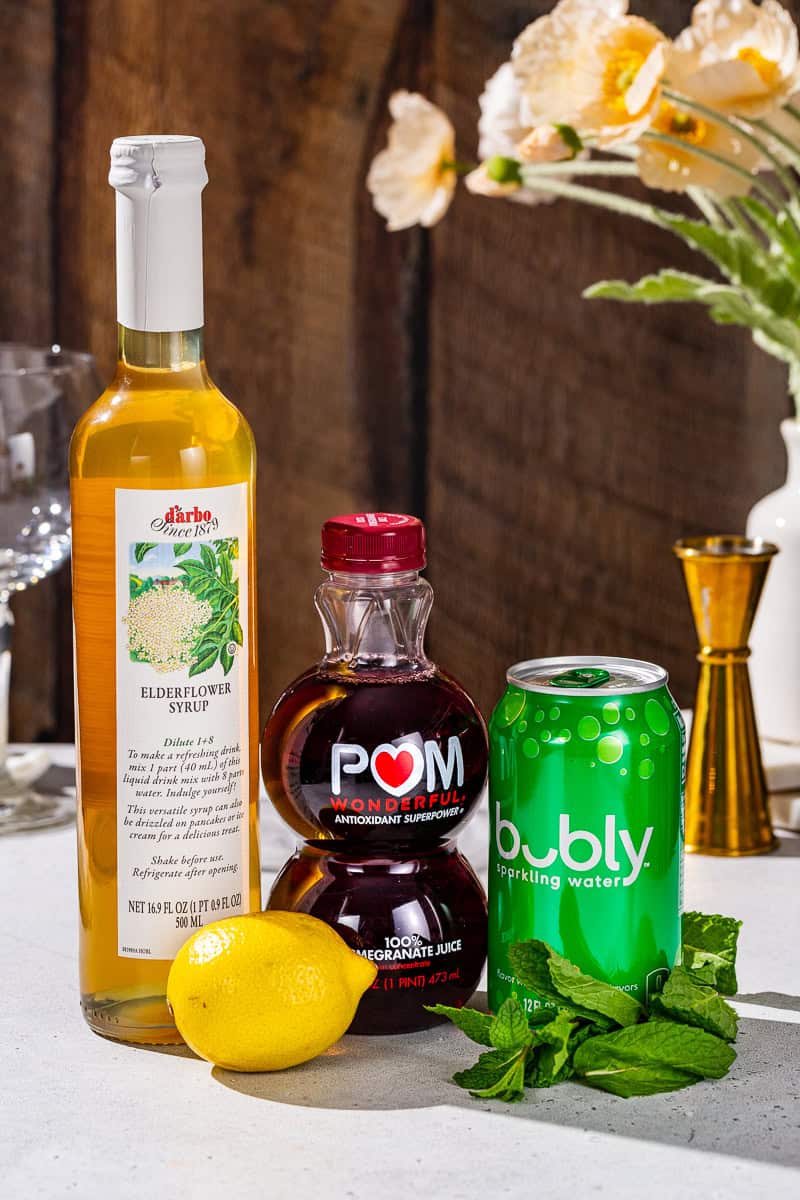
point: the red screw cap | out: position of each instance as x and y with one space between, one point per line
373 543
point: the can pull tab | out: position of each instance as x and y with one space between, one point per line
581 677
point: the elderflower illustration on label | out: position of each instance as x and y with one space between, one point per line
184 605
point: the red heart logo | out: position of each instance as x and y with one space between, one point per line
394 771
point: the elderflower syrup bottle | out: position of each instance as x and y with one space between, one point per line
162 469
376 757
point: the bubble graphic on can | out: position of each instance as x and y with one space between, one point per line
586 822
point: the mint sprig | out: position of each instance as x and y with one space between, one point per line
710 941
497 1075
603 1036
687 999
554 978
657 1056
474 1024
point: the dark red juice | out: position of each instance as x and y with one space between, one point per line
383 759
421 920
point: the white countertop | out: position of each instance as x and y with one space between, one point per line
377 1117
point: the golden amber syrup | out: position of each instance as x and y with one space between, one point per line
160 405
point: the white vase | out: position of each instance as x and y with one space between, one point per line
775 640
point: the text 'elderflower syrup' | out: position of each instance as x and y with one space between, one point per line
162 472
586 807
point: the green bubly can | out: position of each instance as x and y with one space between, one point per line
586 811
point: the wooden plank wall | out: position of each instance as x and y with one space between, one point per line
27 172
555 448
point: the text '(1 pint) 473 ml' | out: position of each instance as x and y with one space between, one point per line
586 806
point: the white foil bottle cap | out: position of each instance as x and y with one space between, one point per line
159 179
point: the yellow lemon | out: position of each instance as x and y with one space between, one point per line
265 991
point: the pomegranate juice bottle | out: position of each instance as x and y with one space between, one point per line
421 920
376 757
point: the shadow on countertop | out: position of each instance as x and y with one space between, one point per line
754 1113
787 847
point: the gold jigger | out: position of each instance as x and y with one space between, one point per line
726 794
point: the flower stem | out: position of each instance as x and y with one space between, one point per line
460 168
578 168
741 131
780 138
714 215
666 139
736 218
792 110
598 198
794 152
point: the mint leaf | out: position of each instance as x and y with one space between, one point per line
632 1079
685 999
474 1024
549 1063
509 1029
510 1087
706 974
592 995
554 979
490 1067
529 961
710 940
495 1076
180 548
654 1057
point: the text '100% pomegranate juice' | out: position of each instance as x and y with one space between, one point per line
376 757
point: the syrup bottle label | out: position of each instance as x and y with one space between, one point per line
182 713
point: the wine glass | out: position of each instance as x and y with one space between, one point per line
42 393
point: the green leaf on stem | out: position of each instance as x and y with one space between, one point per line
658 1056
474 1024
687 999
143 548
497 1075
554 979
711 940
548 1063
509 1029
204 664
